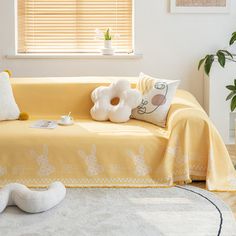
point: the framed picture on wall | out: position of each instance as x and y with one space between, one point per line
200 6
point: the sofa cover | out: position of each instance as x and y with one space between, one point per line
104 154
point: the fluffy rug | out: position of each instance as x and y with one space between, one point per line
178 211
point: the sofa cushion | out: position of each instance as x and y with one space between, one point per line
78 155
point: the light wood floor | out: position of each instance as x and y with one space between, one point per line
227 197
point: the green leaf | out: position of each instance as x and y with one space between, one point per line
233 38
201 62
230 95
208 64
233 103
235 82
107 35
221 58
227 53
231 87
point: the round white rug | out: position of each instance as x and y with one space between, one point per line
181 210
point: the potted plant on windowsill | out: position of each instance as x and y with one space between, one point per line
222 57
107 37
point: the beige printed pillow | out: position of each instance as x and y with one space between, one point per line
157 95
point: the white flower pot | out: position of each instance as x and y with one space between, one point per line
107 50
108 44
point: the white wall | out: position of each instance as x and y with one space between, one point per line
171 45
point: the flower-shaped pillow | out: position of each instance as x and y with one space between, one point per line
156 101
114 102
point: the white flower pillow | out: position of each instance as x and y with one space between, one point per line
8 107
157 95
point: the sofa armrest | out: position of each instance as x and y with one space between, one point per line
185 107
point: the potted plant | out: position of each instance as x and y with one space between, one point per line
107 38
221 55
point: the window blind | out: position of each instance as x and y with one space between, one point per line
68 26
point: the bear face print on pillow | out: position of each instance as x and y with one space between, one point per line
8 107
157 95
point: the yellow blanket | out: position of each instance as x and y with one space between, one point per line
103 154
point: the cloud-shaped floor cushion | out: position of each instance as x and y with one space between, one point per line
102 98
31 201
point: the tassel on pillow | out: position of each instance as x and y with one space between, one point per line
23 116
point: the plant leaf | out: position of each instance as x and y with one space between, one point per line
208 64
233 104
201 62
233 38
221 58
235 82
227 53
231 87
107 34
230 95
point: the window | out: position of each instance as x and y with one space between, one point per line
68 26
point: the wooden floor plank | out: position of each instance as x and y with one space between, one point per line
228 197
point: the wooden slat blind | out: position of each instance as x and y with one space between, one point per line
68 26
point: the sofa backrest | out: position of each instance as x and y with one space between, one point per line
52 97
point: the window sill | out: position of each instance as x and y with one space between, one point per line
75 56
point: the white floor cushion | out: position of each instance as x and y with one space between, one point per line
31 201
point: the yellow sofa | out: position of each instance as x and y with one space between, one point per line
104 154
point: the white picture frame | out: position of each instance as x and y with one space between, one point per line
193 9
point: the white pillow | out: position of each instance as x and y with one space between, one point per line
8 107
103 108
157 95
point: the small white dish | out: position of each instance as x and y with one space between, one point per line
65 123
107 51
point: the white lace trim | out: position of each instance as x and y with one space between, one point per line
77 182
